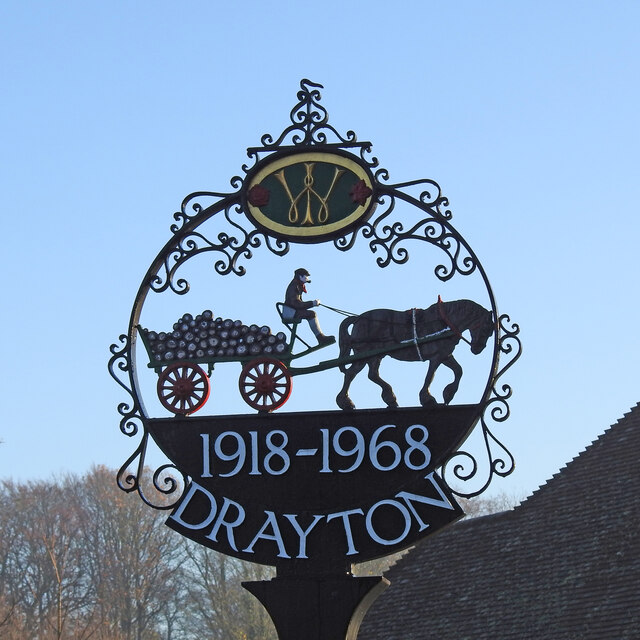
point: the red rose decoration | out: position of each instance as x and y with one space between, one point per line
360 192
258 196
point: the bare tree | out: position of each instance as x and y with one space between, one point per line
220 608
43 578
484 506
81 560
136 564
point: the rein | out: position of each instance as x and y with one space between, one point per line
340 311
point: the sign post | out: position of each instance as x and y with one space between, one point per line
317 607
313 492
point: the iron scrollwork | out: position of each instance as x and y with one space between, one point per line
462 467
120 364
230 249
163 482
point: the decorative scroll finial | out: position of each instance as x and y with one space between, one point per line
309 125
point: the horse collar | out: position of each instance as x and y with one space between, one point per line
447 322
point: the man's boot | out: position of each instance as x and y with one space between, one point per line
317 332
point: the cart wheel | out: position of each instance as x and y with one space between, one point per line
265 384
183 388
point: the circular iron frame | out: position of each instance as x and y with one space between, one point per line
387 237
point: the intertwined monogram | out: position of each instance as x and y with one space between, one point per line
310 193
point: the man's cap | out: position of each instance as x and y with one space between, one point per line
301 272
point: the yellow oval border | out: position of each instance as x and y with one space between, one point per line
317 232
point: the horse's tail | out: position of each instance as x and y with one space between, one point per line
345 340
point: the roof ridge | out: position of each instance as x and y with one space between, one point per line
625 421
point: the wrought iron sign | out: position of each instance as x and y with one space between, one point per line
312 492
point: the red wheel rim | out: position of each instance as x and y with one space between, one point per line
183 388
265 384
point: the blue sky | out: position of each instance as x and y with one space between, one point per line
525 114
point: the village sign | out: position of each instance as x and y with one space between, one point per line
312 492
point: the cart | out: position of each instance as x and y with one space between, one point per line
265 380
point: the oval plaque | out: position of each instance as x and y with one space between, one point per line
310 196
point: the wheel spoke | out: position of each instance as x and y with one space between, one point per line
265 384
183 388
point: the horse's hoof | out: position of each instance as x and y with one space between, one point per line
447 395
345 404
429 401
392 405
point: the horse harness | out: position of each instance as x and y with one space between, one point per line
449 326
443 316
415 334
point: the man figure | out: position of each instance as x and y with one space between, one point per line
295 307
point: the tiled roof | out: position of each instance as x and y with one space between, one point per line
563 565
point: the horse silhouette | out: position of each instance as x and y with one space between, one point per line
429 334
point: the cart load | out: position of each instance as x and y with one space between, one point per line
204 338
183 386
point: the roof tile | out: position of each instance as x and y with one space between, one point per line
564 564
